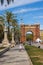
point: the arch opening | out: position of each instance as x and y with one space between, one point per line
29 36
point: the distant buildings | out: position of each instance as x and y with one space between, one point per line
41 34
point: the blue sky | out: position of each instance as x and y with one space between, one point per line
30 11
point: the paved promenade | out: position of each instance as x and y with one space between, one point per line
15 57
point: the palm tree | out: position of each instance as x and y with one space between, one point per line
8 1
1 28
14 23
16 29
2 20
10 18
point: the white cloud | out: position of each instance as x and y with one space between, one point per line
16 3
29 32
22 2
38 17
26 10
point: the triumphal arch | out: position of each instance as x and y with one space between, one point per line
34 28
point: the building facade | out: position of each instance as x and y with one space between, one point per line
41 34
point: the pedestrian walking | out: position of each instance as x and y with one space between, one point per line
20 47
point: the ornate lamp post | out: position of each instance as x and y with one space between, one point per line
13 42
5 42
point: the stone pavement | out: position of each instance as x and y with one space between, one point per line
15 57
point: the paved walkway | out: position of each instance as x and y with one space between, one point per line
15 57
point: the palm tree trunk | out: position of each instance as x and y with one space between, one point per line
8 28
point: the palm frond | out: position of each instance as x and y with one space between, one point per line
12 0
2 1
8 1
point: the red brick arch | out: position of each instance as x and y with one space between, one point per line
34 28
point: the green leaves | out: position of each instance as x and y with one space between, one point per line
1 20
11 21
29 37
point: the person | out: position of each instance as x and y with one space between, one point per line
20 47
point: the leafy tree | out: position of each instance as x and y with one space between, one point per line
29 37
17 34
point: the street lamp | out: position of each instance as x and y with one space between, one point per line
13 41
5 42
